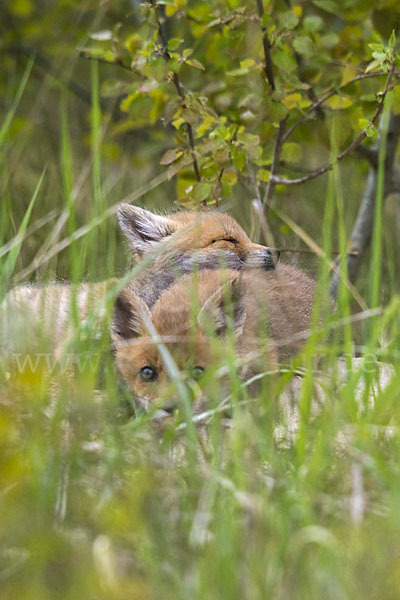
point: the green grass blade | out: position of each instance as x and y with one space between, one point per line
10 115
11 260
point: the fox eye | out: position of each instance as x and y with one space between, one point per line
196 372
148 373
226 239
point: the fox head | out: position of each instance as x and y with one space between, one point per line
202 238
191 319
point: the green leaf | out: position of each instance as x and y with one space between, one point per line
174 43
377 47
339 102
313 23
229 177
369 127
201 191
248 63
368 98
196 64
328 5
284 61
288 20
238 158
292 152
191 116
126 102
392 40
375 64
238 72
275 111
304 46
206 124
264 175
330 40
170 156
21 8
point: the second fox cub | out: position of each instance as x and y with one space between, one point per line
267 315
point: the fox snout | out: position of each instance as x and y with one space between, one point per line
263 258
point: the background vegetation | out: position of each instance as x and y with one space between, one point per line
221 103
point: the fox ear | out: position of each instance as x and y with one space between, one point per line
128 318
226 309
142 227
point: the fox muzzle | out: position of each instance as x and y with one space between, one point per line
265 258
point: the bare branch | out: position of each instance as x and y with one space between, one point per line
275 163
324 168
267 46
119 63
363 227
331 93
40 60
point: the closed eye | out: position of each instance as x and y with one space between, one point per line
225 239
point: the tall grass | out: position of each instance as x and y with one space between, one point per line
296 495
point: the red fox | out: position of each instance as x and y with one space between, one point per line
269 312
180 243
169 249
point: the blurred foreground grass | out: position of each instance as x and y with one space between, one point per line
297 496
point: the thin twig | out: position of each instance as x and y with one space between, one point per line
275 163
119 63
222 170
308 251
263 208
284 181
179 89
331 93
44 63
267 46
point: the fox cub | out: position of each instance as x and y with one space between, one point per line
177 244
267 312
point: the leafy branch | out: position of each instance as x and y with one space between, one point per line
332 93
352 146
178 86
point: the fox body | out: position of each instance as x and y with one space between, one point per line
165 247
267 313
168 250
34 317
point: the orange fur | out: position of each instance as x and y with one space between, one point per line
269 312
